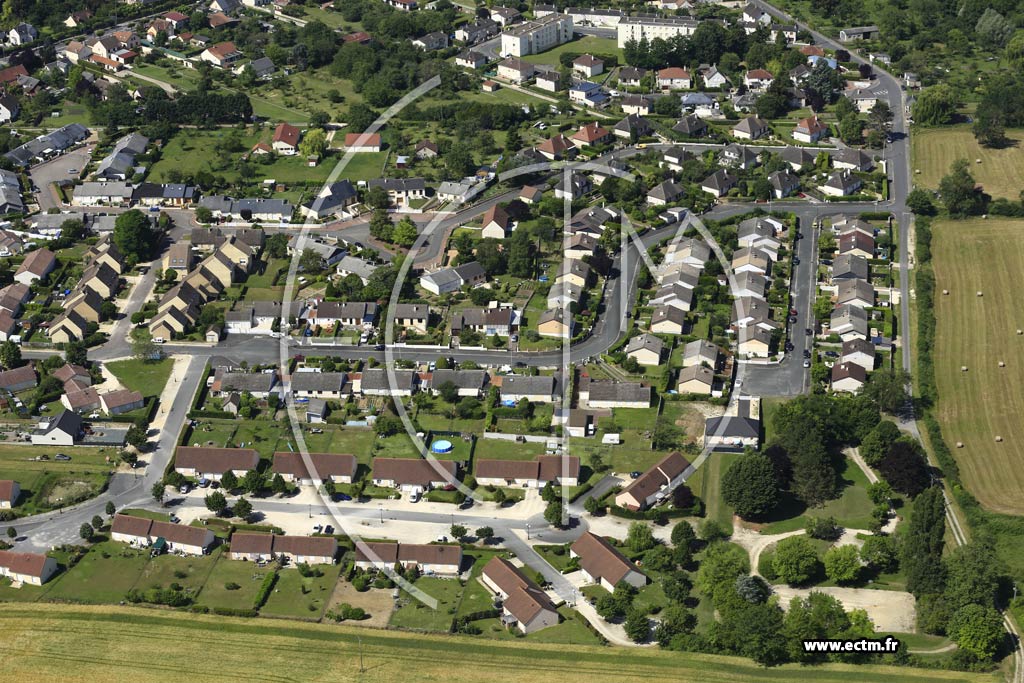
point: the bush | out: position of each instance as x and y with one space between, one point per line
824 528
361 583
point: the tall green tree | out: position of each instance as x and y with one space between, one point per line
795 560
923 544
749 486
135 237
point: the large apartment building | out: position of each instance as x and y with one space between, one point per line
638 28
533 37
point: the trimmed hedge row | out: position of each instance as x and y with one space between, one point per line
268 585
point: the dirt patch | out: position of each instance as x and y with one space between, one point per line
67 489
889 610
377 602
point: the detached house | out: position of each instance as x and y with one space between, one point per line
674 78
751 128
841 184
810 130
655 484
37 265
286 139
848 378
601 563
221 55
646 349
523 603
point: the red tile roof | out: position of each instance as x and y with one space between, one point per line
362 139
287 134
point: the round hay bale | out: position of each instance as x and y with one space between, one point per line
959 444
1020 331
1002 364
977 161
999 439
980 293
963 368
946 292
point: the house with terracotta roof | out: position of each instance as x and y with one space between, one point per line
362 142
810 130
286 139
30 568
9 492
212 463
655 484
296 549
142 533
337 467
603 564
497 223
557 148
524 604
221 55
674 78
536 473
758 79
591 134
440 559
413 475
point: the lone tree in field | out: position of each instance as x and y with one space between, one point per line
749 486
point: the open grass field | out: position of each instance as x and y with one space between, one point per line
47 484
933 151
146 377
80 643
979 332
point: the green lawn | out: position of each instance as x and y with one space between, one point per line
706 482
852 509
106 573
245 574
189 572
362 166
586 44
300 597
500 449
413 614
146 377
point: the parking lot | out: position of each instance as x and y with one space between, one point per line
55 170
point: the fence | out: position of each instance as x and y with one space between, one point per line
529 438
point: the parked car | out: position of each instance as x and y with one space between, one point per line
344 496
807 363
62 457
317 528
174 518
